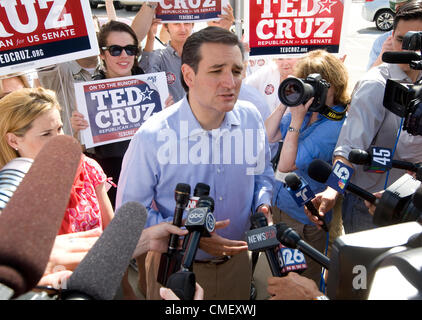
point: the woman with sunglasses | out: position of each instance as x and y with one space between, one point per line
119 52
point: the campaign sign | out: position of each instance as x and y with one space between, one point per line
292 27
116 108
38 33
189 10
340 177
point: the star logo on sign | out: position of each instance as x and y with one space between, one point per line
147 94
326 5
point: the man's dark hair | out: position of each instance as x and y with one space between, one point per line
191 49
408 11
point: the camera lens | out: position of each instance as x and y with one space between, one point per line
293 92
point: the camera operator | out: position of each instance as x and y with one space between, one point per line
369 123
307 133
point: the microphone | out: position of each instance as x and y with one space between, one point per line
400 57
181 195
201 189
99 274
30 221
266 239
200 223
320 171
170 261
302 190
291 239
362 157
417 199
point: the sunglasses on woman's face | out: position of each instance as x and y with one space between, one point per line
115 50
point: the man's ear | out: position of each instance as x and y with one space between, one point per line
12 140
188 74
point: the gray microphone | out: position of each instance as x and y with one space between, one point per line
100 273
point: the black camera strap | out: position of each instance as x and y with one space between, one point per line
331 114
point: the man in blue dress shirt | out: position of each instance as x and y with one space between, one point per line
211 138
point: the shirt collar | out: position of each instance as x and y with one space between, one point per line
397 73
185 114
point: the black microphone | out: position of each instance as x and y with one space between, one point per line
362 157
99 274
200 223
290 238
201 189
181 195
32 217
295 183
320 171
258 220
170 261
400 56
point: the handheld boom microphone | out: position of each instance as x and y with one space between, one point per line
99 274
258 220
31 220
320 171
200 223
295 184
291 239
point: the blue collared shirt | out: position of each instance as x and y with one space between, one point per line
316 141
171 147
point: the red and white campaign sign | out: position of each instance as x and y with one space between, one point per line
37 33
189 10
294 27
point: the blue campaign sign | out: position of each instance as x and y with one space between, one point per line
116 108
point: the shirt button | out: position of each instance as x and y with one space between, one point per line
221 198
218 170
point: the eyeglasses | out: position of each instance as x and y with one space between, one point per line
115 50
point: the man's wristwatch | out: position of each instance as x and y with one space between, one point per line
291 129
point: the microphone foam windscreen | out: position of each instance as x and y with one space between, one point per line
100 273
32 218
293 181
319 170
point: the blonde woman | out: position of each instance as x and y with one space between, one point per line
28 119
307 136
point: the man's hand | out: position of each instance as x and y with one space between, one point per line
323 202
266 210
371 207
168 294
219 246
292 287
226 20
69 250
156 238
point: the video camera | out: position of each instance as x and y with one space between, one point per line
404 99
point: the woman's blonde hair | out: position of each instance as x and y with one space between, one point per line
331 68
18 110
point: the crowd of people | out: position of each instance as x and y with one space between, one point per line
238 138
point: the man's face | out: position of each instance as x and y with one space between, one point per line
402 28
179 32
216 84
